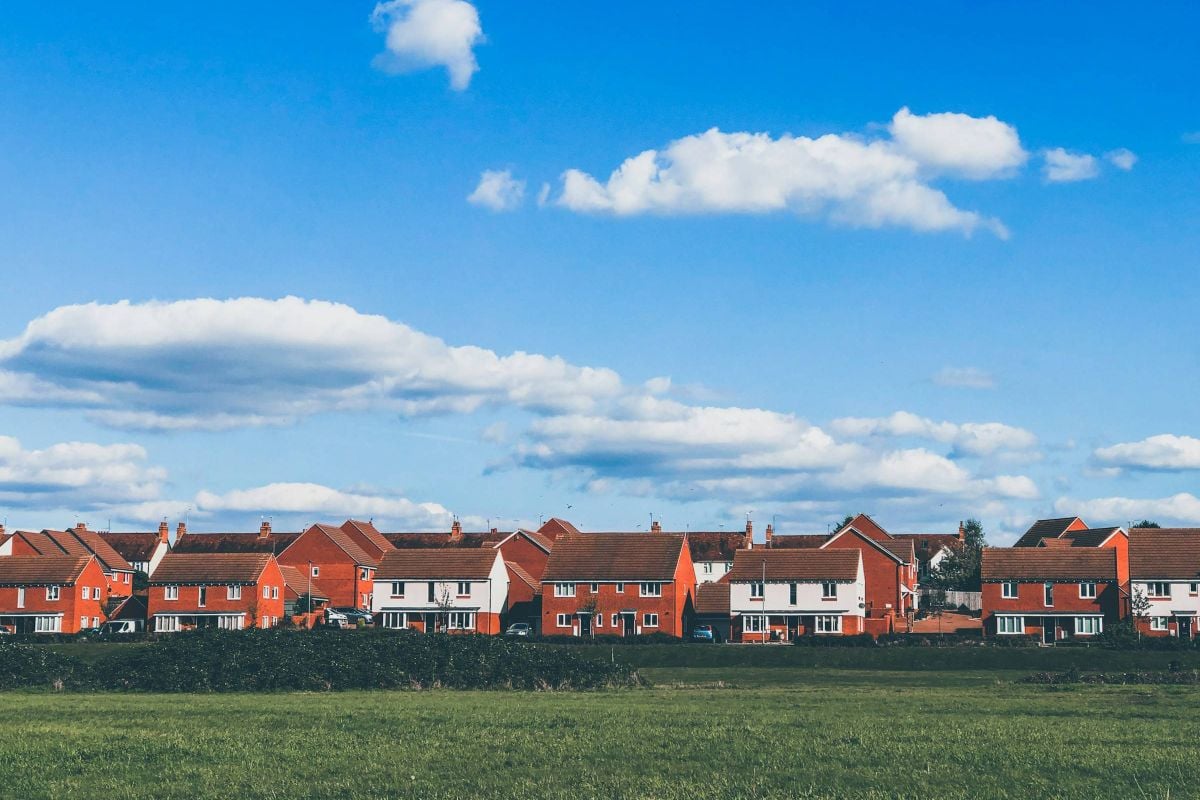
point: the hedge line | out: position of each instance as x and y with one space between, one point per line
281 660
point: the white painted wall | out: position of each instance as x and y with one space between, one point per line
486 597
809 600
711 571
1181 600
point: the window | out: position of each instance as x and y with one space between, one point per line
1158 589
792 590
462 621
753 623
828 590
464 588
1010 625
728 566
47 624
564 590
364 574
1008 590
1087 626
166 624
708 568
397 588
52 592
95 592
316 572
432 597
274 592
230 622
829 623
756 590
594 588
1048 591
1158 623
616 620
235 592
170 593
95 622
620 587
395 619
563 620
20 597
83 622
599 620
87 592
1087 590
127 576
1192 587
202 598
652 589
649 620
266 622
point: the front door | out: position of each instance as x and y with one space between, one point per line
585 624
1185 627
627 625
1048 629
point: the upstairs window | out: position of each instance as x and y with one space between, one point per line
203 596
170 593
1158 589
564 590
364 574
397 588
234 592
652 589
1008 590
1087 590
707 568
1048 593
316 571
52 592
793 590
87 592
432 592
20 597
620 587
594 588
756 590
828 590
95 592
266 593
464 588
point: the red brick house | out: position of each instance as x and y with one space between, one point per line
52 594
1053 593
303 598
618 584
264 541
332 555
1164 568
890 568
445 589
780 595
143 550
216 590
78 541
1049 529
529 549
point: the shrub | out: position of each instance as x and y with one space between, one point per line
28 666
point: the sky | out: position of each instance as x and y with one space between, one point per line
608 262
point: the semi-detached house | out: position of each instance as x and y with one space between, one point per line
781 595
1053 593
51 594
1164 567
231 591
454 590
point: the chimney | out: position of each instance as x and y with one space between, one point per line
1 528
748 543
180 531
770 533
80 527
962 532
656 527
495 530
164 531
455 531
264 530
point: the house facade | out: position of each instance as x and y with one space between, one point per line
232 591
890 569
52 594
143 551
712 551
1053 593
334 557
77 541
618 584
441 590
1164 566
781 595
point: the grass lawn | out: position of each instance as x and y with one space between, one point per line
789 728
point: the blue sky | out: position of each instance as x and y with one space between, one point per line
927 315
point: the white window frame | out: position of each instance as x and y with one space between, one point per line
95 592
616 620
793 593
234 592
53 593
1094 626
274 592
95 622
828 623
753 623
398 588
1048 594
170 593
1087 590
1152 586
1193 589
396 620
1010 625
757 591
650 589
829 590
564 590
47 624
83 621
364 574
620 587
464 588
87 592
562 621
1159 623
231 622
599 620
20 597
167 624
1009 590
649 619
316 571
202 597
460 621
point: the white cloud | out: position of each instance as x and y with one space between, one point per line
1179 508
428 33
1063 167
964 378
959 144
75 474
969 438
1165 451
842 177
498 190
1122 158
218 364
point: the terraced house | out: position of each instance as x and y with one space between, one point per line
1164 567
780 595
618 584
231 591
1053 593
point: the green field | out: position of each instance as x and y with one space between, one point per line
782 722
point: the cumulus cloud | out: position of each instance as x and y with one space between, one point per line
429 33
845 178
1181 508
1165 451
75 474
964 378
498 190
1121 158
218 364
969 438
1063 167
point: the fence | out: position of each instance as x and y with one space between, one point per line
972 600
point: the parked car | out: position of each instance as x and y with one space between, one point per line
519 629
121 626
704 633
355 615
336 619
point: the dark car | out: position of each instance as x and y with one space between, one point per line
704 633
519 629
355 616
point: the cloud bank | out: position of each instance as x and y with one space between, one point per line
429 33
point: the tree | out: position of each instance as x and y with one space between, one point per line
445 603
141 581
1139 608
837 526
1147 523
960 570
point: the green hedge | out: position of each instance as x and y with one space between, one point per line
282 660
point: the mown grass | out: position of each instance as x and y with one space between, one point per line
850 734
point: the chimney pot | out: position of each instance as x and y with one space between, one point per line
80 526
456 530
264 530
656 527
163 531
180 531
962 532
770 533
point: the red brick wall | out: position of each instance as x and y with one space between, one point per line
340 577
70 602
608 602
880 572
252 605
1030 602
525 553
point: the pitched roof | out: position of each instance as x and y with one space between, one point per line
367 536
712 599
133 546
1049 564
41 570
1091 537
522 575
903 550
1164 553
39 542
210 568
795 565
109 558
614 557
273 543
715 545
798 541
471 540
440 563
1044 529
867 527
346 543
555 527
297 583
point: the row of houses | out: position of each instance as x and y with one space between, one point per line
1061 580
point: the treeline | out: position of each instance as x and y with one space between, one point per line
280 660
